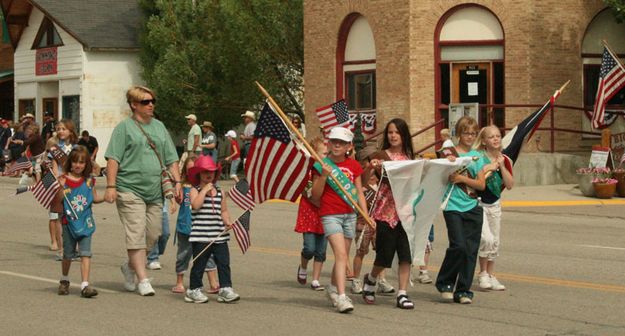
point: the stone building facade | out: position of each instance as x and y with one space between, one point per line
425 52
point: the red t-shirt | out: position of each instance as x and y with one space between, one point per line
331 203
234 145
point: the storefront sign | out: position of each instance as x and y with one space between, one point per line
618 146
45 62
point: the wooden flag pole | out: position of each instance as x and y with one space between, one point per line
313 153
607 46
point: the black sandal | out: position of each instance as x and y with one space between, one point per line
368 296
404 302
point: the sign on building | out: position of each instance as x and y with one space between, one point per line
459 110
45 61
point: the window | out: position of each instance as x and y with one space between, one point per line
71 109
360 90
47 36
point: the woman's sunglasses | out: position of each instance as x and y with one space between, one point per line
148 101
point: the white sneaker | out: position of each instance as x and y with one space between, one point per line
153 265
496 285
227 295
484 281
356 286
344 304
384 287
465 300
129 277
145 288
424 277
447 296
195 296
333 295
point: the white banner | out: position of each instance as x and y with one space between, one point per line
418 188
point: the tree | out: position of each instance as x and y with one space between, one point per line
203 57
618 9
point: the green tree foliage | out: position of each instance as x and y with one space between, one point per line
618 8
203 56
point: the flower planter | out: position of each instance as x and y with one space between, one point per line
585 185
604 190
620 186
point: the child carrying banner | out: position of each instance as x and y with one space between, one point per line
338 218
463 218
391 237
489 145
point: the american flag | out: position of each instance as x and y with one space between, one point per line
241 195
22 163
334 115
241 228
611 80
44 190
276 168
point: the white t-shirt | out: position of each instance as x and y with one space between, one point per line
195 130
448 143
249 130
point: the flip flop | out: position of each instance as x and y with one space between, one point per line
178 290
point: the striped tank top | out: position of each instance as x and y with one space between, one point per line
207 223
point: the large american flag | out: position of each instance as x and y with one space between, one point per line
611 80
22 163
44 190
334 115
241 228
242 196
276 168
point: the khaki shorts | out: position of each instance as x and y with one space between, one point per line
142 222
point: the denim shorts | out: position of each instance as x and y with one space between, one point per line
342 223
69 245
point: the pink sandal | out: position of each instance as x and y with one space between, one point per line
178 290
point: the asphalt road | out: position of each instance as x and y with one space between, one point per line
563 267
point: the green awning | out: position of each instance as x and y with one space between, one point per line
6 75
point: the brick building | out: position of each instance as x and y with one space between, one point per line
412 59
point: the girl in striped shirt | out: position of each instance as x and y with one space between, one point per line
209 229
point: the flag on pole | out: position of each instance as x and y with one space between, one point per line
512 143
611 80
276 168
241 195
241 228
44 190
22 163
334 115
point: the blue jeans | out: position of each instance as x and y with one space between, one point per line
464 230
184 254
222 258
161 243
315 245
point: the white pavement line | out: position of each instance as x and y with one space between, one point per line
32 277
604 247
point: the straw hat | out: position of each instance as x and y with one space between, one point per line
208 124
249 114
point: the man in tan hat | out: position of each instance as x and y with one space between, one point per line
249 119
209 140
194 136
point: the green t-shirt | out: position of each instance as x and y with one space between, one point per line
139 170
459 200
195 130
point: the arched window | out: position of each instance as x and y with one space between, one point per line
602 27
355 64
469 42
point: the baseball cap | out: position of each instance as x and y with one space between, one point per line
341 133
191 116
231 134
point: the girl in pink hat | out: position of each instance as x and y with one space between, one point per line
210 223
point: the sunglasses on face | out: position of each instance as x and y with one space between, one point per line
146 102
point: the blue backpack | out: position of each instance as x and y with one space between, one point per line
80 221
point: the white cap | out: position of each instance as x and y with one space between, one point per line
191 116
341 133
231 134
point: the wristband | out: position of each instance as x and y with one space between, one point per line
111 187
